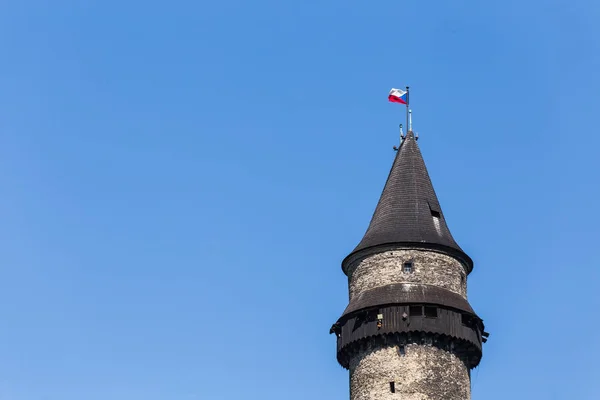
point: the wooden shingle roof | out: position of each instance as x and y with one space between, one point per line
408 212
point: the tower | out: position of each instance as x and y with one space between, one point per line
408 331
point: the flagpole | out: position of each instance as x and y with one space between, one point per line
407 101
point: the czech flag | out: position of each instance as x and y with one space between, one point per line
398 96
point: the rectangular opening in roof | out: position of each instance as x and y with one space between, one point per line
435 210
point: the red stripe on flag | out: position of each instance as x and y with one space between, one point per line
395 99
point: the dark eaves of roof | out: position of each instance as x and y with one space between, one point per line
407 293
408 212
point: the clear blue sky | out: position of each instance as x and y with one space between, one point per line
179 182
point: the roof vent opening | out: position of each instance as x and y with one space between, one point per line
435 210
436 215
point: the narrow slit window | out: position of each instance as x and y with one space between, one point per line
393 387
415 311
407 267
431 312
401 350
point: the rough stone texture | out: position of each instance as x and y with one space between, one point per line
422 373
385 268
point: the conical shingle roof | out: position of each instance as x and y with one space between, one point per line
408 212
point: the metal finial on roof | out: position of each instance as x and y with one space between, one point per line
401 138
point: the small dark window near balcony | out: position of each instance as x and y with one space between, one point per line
415 311
431 312
407 267
466 319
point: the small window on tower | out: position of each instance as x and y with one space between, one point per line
401 350
393 387
431 312
407 267
466 319
415 311
435 214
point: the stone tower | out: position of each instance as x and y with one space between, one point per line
408 332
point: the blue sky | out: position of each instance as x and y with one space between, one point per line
179 182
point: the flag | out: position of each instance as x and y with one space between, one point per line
398 96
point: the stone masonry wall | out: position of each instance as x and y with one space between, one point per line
385 268
422 373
